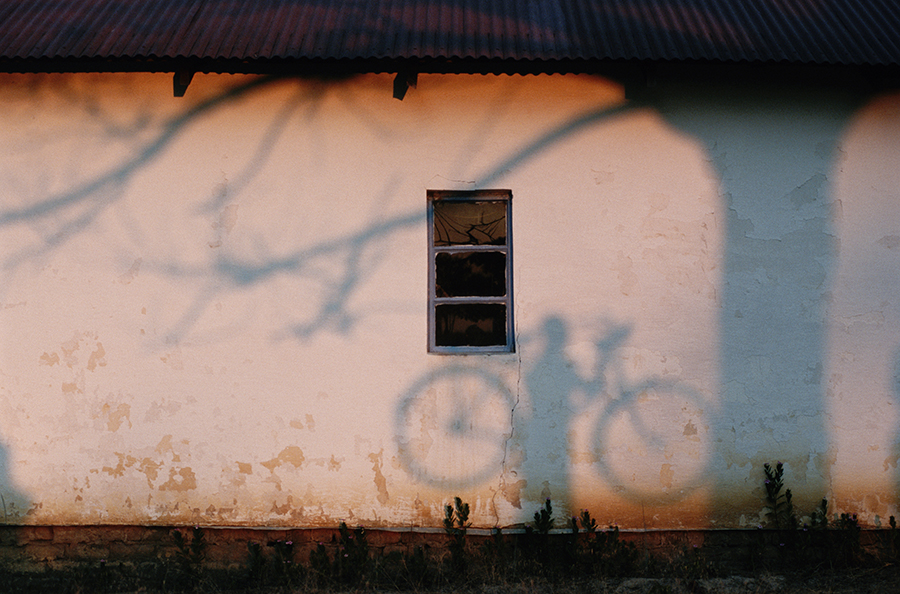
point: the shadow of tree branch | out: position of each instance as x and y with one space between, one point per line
104 190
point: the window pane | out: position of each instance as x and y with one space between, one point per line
469 223
470 274
470 324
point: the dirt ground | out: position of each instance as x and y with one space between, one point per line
882 580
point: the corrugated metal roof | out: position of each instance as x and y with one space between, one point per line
793 31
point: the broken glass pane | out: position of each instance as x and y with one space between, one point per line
469 223
470 274
470 324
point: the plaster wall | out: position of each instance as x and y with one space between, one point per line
213 308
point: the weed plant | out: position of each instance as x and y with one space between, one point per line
497 556
891 544
820 543
256 562
543 518
780 507
350 565
456 524
190 554
285 571
537 557
410 571
690 566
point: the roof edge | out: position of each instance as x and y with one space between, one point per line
879 76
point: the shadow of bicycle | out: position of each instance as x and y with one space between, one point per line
592 434
453 425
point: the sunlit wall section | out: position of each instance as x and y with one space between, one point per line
864 326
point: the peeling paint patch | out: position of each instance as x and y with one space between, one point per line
380 482
809 192
512 492
423 512
97 358
298 423
49 359
150 468
119 469
287 507
289 455
118 416
68 348
164 445
182 479
666 475
71 388
546 493
156 410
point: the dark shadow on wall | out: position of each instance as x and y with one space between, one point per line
14 504
891 461
773 148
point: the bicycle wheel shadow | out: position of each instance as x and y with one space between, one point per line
452 427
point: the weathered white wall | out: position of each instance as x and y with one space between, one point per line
213 308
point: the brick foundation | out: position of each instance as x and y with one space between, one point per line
37 548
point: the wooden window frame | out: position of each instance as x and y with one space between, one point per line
433 300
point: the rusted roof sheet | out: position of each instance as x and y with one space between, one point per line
791 31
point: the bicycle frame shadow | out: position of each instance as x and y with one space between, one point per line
633 432
582 427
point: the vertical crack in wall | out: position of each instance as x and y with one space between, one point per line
501 487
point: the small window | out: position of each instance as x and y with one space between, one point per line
470 272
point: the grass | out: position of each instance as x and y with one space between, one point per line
883 580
